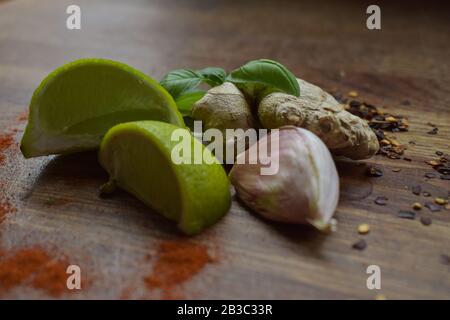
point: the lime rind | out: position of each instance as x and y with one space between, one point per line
45 137
202 190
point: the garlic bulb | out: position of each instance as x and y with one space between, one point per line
304 190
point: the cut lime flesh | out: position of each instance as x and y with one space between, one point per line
137 156
78 102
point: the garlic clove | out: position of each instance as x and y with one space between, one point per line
305 189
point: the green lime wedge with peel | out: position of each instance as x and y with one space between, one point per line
138 157
77 103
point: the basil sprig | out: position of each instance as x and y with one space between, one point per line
254 76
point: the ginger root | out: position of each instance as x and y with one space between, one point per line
317 111
224 107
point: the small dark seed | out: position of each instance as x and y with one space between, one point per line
360 245
433 131
381 201
374 172
407 159
426 221
430 175
439 153
416 190
445 259
404 214
354 104
432 207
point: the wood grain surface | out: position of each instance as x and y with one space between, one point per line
114 240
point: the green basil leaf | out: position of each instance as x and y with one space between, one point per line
265 73
187 99
178 81
213 76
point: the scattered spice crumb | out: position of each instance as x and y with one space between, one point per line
416 190
380 297
425 220
373 171
381 200
417 206
433 131
426 194
177 262
396 170
432 207
441 165
405 214
430 175
360 245
445 259
352 94
432 163
439 153
363 228
439 201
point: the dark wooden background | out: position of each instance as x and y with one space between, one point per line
326 43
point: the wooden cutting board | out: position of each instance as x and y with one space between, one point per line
404 67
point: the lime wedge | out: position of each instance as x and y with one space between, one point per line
137 156
78 102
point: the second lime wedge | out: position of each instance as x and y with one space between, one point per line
77 103
138 157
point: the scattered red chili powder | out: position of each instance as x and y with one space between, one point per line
23 116
177 262
34 267
5 208
6 141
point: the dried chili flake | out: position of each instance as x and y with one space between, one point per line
381 200
360 245
417 206
373 171
405 214
432 207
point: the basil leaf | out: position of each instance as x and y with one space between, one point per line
265 73
179 81
186 101
213 76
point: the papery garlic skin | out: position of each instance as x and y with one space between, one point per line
304 190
